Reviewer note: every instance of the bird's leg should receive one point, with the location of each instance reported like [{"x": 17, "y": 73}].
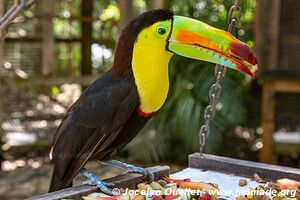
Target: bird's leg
[
  {"x": 94, "y": 180},
  {"x": 131, "y": 168}
]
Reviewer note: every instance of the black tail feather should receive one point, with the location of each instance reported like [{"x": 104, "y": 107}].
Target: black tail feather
[{"x": 57, "y": 182}]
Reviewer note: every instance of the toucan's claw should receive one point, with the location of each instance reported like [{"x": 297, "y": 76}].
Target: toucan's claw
[
  {"x": 94, "y": 180},
  {"x": 139, "y": 170},
  {"x": 133, "y": 169},
  {"x": 90, "y": 182}
]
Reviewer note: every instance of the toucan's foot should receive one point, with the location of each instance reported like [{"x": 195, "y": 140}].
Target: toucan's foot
[
  {"x": 94, "y": 180},
  {"x": 132, "y": 169},
  {"x": 143, "y": 171}
]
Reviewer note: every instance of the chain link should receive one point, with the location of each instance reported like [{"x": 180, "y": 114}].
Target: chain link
[{"x": 234, "y": 16}]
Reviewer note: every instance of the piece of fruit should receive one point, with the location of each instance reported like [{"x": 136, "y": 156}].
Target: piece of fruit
[
  {"x": 155, "y": 185},
  {"x": 169, "y": 197},
  {"x": 192, "y": 196},
  {"x": 243, "y": 182},
  {"x": 139, "y": 197},
  {"x": 205, "y": 196},
  {"x": 197, "y": 186},
  {"x": 158, "y": 197},
  {"x": 144, "y": 186},
  {"x": 177, "y": 181},
  {"x": 163, "y": 183},
  {"x": 288, "y": 184},
  {"x": 172, "y": 186},
  {"x": 192, "y": 185}
]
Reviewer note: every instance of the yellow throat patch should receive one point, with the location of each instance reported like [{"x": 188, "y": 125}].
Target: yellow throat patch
[{"x": 150, "y": 67}]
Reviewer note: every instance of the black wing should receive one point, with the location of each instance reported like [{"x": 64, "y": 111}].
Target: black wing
[{"x": 91, "y": 124}]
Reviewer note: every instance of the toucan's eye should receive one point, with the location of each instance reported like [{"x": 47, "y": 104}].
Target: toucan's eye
[{"x": 161, "y": 30}]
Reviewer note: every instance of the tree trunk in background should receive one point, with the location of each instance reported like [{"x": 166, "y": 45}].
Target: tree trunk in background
[
  {"x": 1, "y": 87},
  {"x": 70, "y": 45},
  {"x": 126, "y": 12},
  {"x": 48, "y": 59},
  {"x": 157, "y": 4},
  {"x": 1, "y": 42},
  {"x": 86, "y": 30},
  {"x": 1, "y": 115}
]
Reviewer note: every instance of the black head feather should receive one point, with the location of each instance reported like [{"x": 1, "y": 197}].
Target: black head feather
[
  {"x": 123, "y": 54},
  {"x": 146, "y": 19}
]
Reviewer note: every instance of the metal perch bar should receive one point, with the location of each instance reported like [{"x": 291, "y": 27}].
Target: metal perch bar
[{"x": 128, "y": 180}]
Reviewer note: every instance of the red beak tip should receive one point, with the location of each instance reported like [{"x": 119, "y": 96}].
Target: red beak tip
[{"x": 248, "y": 71}]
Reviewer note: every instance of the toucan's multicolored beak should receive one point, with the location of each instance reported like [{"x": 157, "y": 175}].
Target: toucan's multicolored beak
[{"x": 194, "y": 39}]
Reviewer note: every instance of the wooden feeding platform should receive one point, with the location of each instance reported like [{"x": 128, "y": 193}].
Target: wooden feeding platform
[{"x": 200, "y": 166}]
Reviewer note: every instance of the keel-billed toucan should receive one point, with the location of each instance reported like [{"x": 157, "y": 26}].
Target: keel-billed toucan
[{"x": 114, "y": 108}]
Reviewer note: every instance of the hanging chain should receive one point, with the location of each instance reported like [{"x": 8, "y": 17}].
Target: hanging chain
[{"x": 220, "y": 72}]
